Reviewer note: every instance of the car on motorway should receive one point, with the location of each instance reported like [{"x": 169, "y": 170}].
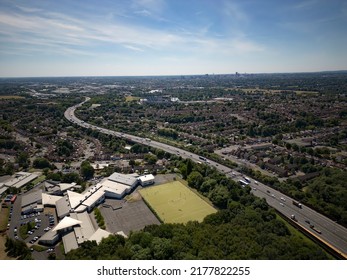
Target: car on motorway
[
  {"x": 283, "y": 199},
  {"x": 282, "y": 204}
]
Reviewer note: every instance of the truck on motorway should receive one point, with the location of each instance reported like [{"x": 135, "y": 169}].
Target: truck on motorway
[
  {"x": 315, "y": 229},
  {"x": 243, "y": 182},
  {"x": 293, "y": 218},
  {"x": 298, "y": 204},
  {"x": 247, "y": 179},
  {"x": 202, "y": 158}
]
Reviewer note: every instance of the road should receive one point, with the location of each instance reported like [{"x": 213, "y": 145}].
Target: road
[{"x": 331, "y": 232}]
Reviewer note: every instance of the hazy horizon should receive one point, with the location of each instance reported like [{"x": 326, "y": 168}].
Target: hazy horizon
[
  {"x": 174, "y": 75},
  {"x": 167, "y": 38}
]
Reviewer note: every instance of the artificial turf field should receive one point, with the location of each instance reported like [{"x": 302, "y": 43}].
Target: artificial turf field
[{"x": 175, "y": 203}]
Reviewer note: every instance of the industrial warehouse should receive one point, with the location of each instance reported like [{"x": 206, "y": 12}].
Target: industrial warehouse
[{"x": 72, "y": 208}]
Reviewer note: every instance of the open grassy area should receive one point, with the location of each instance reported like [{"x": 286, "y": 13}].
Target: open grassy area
[
  {"x": 4, "y": 214},
  {"x": 130, "y": 98},
  {"x": 175, "y": 203},
  {"x": 39, "y": 179},
  {"x": 3, "y": 255}
]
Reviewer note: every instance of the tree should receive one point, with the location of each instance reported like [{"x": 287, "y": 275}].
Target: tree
[
  {"x": 70, "y": 178},
  {"x": 195, "y": 179},
  {"x": 208, "y": 185},
  {"x": 41, "y": 163},
  {"x": 17, "y": 249},
  {"x": 189, "y": 166},
  {"x": 87, "y": 170},
  {"x": 219, "y": 196},
  {"x": 23, "y": 159},
  {"x": 9, "y": 168},
  {"x": 54, "y": 176},
  {"x": 151, "y": 158},
  {"x": 161, "y": 248},
  {"x": 183, "y": 170}
]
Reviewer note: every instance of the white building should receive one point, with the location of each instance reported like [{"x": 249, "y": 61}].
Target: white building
[
  {"x": 20, "y": 179},
  {"x": 146, "y": 180},
  {"x": 32, "y": 202},
  {"x": 75, "y": 226}
]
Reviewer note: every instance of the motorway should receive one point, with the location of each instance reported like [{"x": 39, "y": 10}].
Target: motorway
[{"x": 331, "y": 233}]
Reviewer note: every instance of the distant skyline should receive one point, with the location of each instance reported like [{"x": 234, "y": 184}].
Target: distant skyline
[{"x": 170, "y": 37}]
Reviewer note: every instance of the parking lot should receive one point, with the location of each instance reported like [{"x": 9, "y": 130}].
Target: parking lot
[
  {"x": 40, "y": 223},
  {"x": 121, "y": 215}
]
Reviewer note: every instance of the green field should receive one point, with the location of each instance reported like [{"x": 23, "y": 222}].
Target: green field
[
  {"x": 175, "y": 203},
  {"x": 130, "y": 98}
]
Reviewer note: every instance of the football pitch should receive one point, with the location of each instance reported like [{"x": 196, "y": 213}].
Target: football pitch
[{"x": 175, "y": 203}]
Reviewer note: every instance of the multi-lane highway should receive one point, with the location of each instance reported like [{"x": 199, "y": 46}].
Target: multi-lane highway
[{"x": 330, "y": 232}]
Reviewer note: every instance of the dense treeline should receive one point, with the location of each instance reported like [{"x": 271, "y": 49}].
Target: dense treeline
[
  {"x": 328, "y": 194},
  {"x": 244, "y": 228},
  {"x": 17, "y": 249},
  {"x": 236, "y": 233}
]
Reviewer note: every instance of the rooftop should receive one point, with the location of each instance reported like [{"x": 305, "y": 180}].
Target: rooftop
[
  {"x": 66, "y": 222},
  {"x": 31, "y": 198},
  {"x": 126, "y": 179}
]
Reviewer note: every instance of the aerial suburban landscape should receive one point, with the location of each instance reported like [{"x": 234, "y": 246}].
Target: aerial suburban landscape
[
  {"x": 237, "y": 166},
  {"x": 147, "y": 130}
]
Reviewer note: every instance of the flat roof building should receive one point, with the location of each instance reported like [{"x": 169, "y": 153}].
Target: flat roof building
[
  {"x": 114, "y": 189},
  {"x": 146, "y": 180},
  {"x": 20, "y": 179},
  {"x": 31, "y": 201},
  {"x": 63, "y": 207},
  {"x": 50, "y": 200},
  {"x": 125, "y": 179},
  {"x": 75, "y": 226},
  {"x": 99, "y": 235}
]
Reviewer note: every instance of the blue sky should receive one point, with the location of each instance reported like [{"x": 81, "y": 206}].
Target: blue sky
[{"x": 170, "y": 37}]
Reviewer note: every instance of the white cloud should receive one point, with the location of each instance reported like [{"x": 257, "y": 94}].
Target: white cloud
[
  {"x": 133, "y": 48},
  {"x": 246, "y": 46},
  {"x": 143, "y": 13},
  {"x": 28, "y": 9},
  {"x": 62, "y": 34},
  {"x": 153, "y": 6},
  {"x": 305, "y": 5},
  {"x": 232, "y": 10}
]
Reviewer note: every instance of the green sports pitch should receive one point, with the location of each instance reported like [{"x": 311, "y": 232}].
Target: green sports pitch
[{"x": 175, "y": 203}]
